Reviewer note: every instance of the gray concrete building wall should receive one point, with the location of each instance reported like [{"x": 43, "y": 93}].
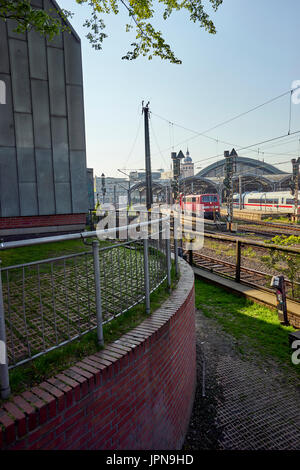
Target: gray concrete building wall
[{"x": 42, "y": 131}]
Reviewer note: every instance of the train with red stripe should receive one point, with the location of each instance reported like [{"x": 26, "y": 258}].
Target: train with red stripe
[
  {"x": 277, "y": 201},
  {"x": 209, "y": 204}
]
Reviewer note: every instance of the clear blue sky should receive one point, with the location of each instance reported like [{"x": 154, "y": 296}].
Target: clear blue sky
[{"x": 253, "y": 57}]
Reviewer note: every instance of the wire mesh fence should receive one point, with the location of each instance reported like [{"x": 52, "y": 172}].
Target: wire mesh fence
[{"x": 50, "y": 302}]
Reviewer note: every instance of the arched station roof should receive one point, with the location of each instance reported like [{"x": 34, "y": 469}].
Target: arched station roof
[
  {"x": 252, "y": 182},
  {"x": 194, "y": 184},
  {"x": 217, "y": 168},
  {"x": 141, "y": 187}
]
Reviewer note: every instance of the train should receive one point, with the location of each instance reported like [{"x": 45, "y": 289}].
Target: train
[
  {"x": 278, "y": 201},
  {"x": 196, "y": 203}
]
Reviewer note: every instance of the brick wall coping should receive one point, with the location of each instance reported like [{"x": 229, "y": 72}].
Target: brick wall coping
[{"x": 43, "y": 404}]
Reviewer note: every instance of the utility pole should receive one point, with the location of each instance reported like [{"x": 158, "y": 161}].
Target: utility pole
[
  {"x": 149, "y": 198},
  {"x": 295, "y": 185}
]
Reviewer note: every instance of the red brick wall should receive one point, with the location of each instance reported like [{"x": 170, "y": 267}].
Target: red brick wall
[
  {"x": 135, "y": 394},
  {"x": 41, "y": 221}
]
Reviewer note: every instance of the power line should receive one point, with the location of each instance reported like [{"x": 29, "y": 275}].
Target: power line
[
  {"x": 134, "y": 142},
  {"x": 252, "y": 145},
  {"x": 157, "y": 143},
  {"x": 203, "y": 134}
]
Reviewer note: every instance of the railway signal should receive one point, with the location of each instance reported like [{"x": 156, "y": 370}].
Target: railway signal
[
  {"x": 230, "y": 168},
  {"x": 176, "y": 172},
  {"x": 103, "y": 186},
  {"x": 294, "y": 185}
]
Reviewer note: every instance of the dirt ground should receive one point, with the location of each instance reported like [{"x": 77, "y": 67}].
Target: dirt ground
[{"x": 242, "y": 402}]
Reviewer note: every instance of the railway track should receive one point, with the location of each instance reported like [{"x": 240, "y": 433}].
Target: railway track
[
  {"x": 248, "y": 276},
  {"x": 270, "y": 228}
]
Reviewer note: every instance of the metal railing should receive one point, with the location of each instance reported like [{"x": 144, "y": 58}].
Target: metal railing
[
  {"x": 48, "y": 303},
  {"x": 252, "y": 262}
]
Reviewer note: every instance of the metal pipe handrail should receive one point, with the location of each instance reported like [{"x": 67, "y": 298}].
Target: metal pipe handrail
[
  {"x": 253, "y": 243},
  {"x": 77, "y": 236},
  {"x": 248, "y": 242}
]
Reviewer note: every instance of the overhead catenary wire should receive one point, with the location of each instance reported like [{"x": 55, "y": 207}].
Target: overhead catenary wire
[
  {"x": 203, "y": 134},
  {"x": 134, "y": 142},
  {"x": 249, "y": 146},
  {"x": 217, "y": 140},
  {"x": 156, "y": 141}
]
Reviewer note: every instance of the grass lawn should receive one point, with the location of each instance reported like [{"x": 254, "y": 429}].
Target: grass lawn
[
  {"x": 29, "y": 254},
  {"x": 250, "y": 323}
]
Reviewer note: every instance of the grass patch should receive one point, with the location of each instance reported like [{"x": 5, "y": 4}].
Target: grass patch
[
  {"x": 247, "y": 321},
  {"x": 29, "y": 254},
  {"x": 33, "y": 373}
]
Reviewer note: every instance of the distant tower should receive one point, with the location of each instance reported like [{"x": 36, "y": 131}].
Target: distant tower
[{"x": 187, "y": 167}]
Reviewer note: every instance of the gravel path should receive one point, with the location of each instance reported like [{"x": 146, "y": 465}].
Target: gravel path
[{"x": 248, "y": 404}]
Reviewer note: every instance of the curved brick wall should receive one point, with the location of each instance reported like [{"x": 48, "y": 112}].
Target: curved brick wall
[{"x": 137, "y": 393}]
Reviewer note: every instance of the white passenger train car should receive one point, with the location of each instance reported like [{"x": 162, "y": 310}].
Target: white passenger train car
[{"x": 278, "y": 201}]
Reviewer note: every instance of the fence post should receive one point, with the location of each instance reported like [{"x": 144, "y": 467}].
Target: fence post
[
  {"x": 4, "y": 376},
  {"x": 176, "y": 256},
  {"x": 146, "y": 275},
  {"x": 168, "y": 254},
  {"x": 160, "y": 229},
  {"x": 98, "y": 292},
  {"x": 238, "y": 261},
  {"x": 191, "y": 257}
]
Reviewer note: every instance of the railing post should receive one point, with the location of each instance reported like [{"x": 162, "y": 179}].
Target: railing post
[
  {"x": 191, "y": 257},
  {"x": 117, "y": 224},
  {"x": 98, "y": 292},
  {"x": 168, "y": 254},
  {"x": 4, "y": 376},
  {"x": 160, "y": 229},
  {"x": 238, "y": 261},
  {"x": 146, "y": 275},
  {"x": 176, "y": 256}
]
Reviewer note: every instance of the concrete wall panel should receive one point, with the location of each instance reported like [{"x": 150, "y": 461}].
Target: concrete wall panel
[
  {"x": 76, "y": 117},
  {"x": 78, "y": 181},
  {"x": 45, "y": 185},
  {"x": 25, "y": 148},
  {"x": 26, "y": 165},
  {"x": 57, "y": 41},
  {"x": 24, "y": 131},
  {"x": 7, "y": 134},
  {"x": 60, "y": 150},
  {"x": 42, "y": 135},
  {"x": 4, "y": 62},
  {"x": 28, "y": 199},
  {"x": 63, "y": 198},
  {"x": 11, "y": 26},
  {"x": 37, "y": 3},
  {"x": 41, "y": 114},
  {"x": 37, "y": 55},
  {"x": 56, "y": 72},
  {"x": 20, "y": 76},
  {"x": 72, "y": 59},
  {"x": 9, "y": 195}
]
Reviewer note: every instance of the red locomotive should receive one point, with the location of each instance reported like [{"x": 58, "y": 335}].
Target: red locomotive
[{"x": 209, "y": 204}]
